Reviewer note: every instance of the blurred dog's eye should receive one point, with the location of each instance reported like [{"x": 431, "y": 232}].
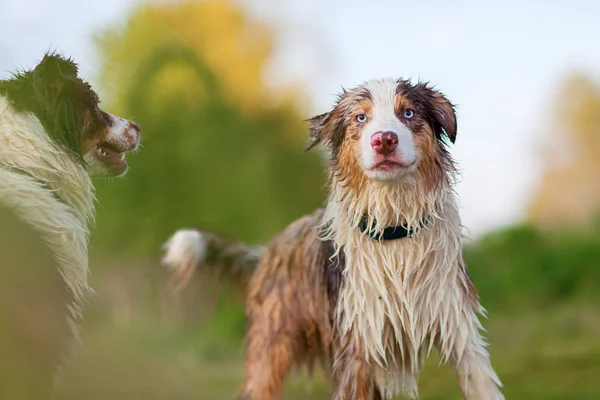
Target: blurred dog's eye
[
  {"x": 408, "y": 113},
  {"x": 361, "y": 118}
]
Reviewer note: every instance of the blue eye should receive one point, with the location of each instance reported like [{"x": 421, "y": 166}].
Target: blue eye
[
  {"x": 361, "y": 118},
  {"x": 408, "y": 113}
]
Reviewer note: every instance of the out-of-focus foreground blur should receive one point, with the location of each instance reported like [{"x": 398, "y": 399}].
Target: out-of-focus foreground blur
[{"x": 222, "y": 150}]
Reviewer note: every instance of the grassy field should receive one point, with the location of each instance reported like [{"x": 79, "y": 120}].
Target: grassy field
[
  {"x": 549, "y": 355},
  {"x": 541, "y": 290}
]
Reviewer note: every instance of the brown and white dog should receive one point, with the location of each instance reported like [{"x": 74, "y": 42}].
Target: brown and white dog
[
  {"x": 53, "y": 137},
  {"x": 374, "y": 280}
]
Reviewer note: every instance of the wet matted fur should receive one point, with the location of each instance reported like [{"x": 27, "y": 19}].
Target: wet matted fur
[
  {"x": 325, "y": 291},
  {"x": 53, "y": 137}
]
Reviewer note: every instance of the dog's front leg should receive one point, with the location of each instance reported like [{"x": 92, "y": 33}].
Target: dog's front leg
[
  {"x": 352, "y": 373},
  {"x": 466, "y": 349}
]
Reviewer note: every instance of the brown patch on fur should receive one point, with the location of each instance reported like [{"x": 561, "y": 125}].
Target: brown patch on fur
[
  {"x": 333, "y": 267},
  {"x": 96, "y": 138},
  {"x": 287, "y": 310},
  {"x": 353, "y": 375},
  {"x": 435, "y": 108},
  {"x": 434, "y": 117},
  {"x": 331, "y": 128},
  {"x": 345, "y": 169},
  {"x": 363, "y": 105},
  {"x": 433, "y": 164},
  {"x": 341, "y": 133},
  {"x": 468, "y": 287}
]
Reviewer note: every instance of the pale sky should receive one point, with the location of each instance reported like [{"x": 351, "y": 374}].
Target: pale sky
[{"x": 501, "y": 64}]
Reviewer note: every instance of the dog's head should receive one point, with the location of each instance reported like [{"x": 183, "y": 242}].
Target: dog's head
[
  {"x": 67, "y": 107},
  {"x": 387, "y": 130}
]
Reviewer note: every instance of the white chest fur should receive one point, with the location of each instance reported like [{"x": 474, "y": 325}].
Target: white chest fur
[
  {"x": 53, "y": 193},
  {"x": 400, "y": 297}
]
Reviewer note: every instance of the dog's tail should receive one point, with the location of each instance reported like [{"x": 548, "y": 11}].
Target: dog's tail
[{"x": 191, "y": 251}]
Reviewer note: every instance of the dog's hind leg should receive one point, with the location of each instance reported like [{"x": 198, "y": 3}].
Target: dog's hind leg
[{"x": 268, "y": 362}]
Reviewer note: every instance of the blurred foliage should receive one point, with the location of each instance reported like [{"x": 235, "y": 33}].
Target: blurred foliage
[
  {"x": 569, "y": 190},
  {"x": 524, "y": 268},
  {"x": 220, "y": 151}
]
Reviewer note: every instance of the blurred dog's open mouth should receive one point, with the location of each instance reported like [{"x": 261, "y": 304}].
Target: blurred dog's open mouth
[{"x": 111, "y": 156}]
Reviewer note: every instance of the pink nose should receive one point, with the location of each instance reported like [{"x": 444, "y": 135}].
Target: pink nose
[{"x": 384, "y": 143}]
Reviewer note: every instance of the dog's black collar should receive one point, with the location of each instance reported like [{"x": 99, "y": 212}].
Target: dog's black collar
[{"x": 391, "y": 232}]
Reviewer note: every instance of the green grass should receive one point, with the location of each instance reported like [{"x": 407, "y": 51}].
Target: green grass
[{"x": 550, "y": 355}]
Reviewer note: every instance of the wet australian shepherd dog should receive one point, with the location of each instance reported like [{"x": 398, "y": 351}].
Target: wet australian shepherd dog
[
  {"x": 374, "y": 280},
  {"x": 53, "y": 137}
]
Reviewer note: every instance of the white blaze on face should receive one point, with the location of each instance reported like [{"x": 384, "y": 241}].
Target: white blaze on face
[
  {"x": 122, "y": 133},
  {"x": 383, "y": 118},
  {"x": 107, "y": 156}
]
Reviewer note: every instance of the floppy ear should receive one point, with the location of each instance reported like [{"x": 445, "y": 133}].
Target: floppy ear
[
  {"x": 316, "y": 125},
  {"x": 444, "y": 115},
  {"x": 55, "y": 68}
]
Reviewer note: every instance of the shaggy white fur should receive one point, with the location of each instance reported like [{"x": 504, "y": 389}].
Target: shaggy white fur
[
  {"x": 54, "y": 196},
  {"x": 399, "y": 298}
]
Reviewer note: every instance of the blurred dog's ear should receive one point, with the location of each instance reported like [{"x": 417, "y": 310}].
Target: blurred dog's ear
[
  {"x": 316, "y": 125},
  {"x": 54, "y": 68}
]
